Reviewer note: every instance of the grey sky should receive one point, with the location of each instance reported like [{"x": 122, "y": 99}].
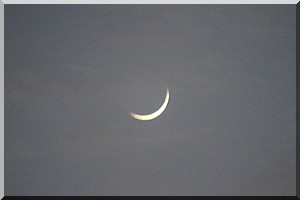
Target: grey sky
[{"x": 73, "y": 72}]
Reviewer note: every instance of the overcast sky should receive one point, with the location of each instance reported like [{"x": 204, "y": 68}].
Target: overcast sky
[{"x": 74, "y": 72}]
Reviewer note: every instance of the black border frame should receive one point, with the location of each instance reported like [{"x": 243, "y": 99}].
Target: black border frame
[{"x": 297, "y": 196}]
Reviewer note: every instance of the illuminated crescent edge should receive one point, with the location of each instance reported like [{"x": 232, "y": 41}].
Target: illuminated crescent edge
[{"x": 156, "y": 113}]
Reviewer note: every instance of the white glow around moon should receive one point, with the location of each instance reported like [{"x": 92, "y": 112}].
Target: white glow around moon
[{"x": 156, "y": 113}]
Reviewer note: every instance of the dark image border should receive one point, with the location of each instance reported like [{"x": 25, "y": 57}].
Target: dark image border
[{"x": 219, "y": 197}]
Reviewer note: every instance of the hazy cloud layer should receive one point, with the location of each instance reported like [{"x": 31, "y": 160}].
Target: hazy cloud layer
[{"x": 73, "y": 72}]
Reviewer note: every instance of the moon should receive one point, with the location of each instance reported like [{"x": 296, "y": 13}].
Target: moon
[{"x": 156, "y": 113}]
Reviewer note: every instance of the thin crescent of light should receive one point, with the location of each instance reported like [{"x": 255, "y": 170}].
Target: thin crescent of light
[{"x": 156, "y": 113}]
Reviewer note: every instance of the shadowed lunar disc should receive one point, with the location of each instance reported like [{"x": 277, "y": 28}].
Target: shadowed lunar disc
[{"x": 156, "y": 113}]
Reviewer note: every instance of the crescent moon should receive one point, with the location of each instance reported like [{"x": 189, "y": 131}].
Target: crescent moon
[{"x": 156, "y": 113}]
